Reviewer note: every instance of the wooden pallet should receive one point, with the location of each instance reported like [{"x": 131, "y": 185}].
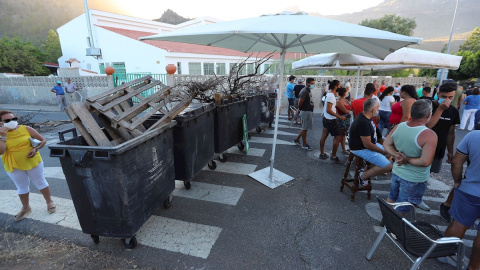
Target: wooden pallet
[
  {"x": 117, "y": 106},
  {"x": 89, "y": 128}
]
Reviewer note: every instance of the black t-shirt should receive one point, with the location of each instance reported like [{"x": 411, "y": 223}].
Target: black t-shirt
[
  {"x": 297, "y": 90},
  {"x": 362, "y": 126},
  {"x": 450, "y": 117},
  {"x": 429, "y": 98},
  {"x": 468, "y": 92},
  {"x": 307, "y": 105}
]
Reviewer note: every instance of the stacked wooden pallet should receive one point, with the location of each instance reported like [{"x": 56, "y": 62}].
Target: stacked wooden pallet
[{"x": 121, "y": 118}]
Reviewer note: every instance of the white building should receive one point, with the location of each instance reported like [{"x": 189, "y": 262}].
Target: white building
[{"x": 117, "y": 37}]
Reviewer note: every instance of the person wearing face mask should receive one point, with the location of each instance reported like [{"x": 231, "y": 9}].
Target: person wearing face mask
[
  {"x": 365, "y": 142},
  {"x": 22, "y": 161},
  {"x": 413, "y": 146}
]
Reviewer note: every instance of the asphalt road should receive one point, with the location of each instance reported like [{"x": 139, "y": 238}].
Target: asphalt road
[{"x": 230, "y": 221}]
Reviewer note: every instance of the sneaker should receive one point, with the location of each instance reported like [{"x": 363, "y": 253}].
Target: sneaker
[
  {"x": 307, "y": 147},
  {"x": 296, "y": 142},
  {"x": 361, "y": 181},
  {"x": 323, "y": 156},
  {"x": 423, "y": 206},
  {"x": 444, "y": 212},
  {"x": 336, "y": 159}
]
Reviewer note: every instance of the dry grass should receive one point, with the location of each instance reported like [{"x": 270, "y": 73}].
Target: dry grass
[{"x": 19, "y": 251}]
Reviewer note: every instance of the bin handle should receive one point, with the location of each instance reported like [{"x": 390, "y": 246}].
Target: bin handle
[
  {"x": 57, "y": 153},
  {"x": 62, "y": 133}
]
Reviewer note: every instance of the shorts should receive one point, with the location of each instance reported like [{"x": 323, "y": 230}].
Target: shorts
[
  {"x": 332, "y": 126},
  {"x": 436, "y": 165},
  {"x": 344, "y": 124},
  {"x": 465, "y": 208},
  {"x": 406, "y": 191},
  {"x": 307, "y": 120},
  {"x": 373, "y": 157},
  {"x": 291, "y": 102},
  {"x": 295, "y": 102}
]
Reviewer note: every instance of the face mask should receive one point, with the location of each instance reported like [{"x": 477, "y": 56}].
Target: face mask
[
  {"x": 440, "y": 100},
  {"x": 375, "y": 114},
  {"x": 337, "y": 98},
  {"x": 312, "y": 86},
  {"x": 11, "y": 124}
]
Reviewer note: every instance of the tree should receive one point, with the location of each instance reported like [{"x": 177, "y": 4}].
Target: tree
[
  {"x": 473, "y": 41},
  {"x": 469, "y": 67},
  {"x": 392, "y": 23},
  {"x": 21, "y": 57},
  {"x": 52, "y": 47}
]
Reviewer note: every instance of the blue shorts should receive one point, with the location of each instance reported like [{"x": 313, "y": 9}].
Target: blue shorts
[
  {"x": 406, "y": 191},
  {"x": 465, "y": 208},
  {"x": 373, "y": 157}
]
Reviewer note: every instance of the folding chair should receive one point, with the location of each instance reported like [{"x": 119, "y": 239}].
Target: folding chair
[
  {"x": 295, "y": 116},
  {"x": 417, "y": 238}
]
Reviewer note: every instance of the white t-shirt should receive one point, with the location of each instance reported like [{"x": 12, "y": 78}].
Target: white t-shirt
[
  {"x": 385, "y": 104},
  {"x": 330, "y": 98}
]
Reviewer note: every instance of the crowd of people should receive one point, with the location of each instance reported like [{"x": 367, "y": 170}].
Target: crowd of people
[{"x": 406, "y": 132}]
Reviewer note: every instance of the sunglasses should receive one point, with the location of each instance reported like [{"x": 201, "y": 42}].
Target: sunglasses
[{"x": 8, "y": 120}]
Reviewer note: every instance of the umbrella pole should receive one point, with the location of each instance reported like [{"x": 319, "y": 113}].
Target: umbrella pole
[
  {"x": 358, "y": 82},
  {"x": 277, "y": 114},
  {"x": 265, "y": 175}
]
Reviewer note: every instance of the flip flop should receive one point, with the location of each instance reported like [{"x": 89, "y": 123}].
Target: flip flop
[
  {"x": 18, "y": 218},
  {"x": 52, "y": 209}
]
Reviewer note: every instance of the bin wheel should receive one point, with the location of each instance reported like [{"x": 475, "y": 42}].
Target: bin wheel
[
  {"x": 95, "y": 238},
  {"x": 212, "y": 165},
  {"x": 241, "y": 146},
  {"x": 187, "y": 184},
  {"x": 132, "y": 243},
  {"x": 258, "y": 129},
  {"x": 168, "y": 202},
  {"x": 222, "y": 158}
]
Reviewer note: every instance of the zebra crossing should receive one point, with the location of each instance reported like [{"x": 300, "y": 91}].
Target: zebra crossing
[{"x": 180, "y": 236}]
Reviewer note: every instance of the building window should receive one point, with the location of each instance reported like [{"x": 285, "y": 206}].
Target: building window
[
  {"x": 119, "y": 67},
  {"x": 250, "y": 68},
  {"x": 102, "y": 68},
  {"x": 179, "y": 68},
  {"x": 221, "y": 69},
  {"x": 208, "y": 69},
  {"x": 195, "y": 68},
  {"x": 272, "y": 68}
]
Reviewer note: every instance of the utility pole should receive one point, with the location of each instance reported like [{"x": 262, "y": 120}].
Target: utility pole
[{"x": 449, "y": 43}]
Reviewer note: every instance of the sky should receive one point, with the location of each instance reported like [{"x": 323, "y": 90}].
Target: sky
[{"x": 232, "y": 10}]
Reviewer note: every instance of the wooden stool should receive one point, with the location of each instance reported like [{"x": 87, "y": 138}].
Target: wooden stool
[{"x": 353, "y": 183}]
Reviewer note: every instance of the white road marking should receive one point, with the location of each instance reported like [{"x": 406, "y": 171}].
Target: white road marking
[
  {"x": 233, "y": 167},
  {"x": 279, "y": 132},
  {"x": 178, "y": 236},
  {"x": 287, "y": 126},
  {"x": 268, "y": 141},
  {"x": 251, "y": 151},
  {"x": 433, "y": 184},
  {"x": 159, "y": 232},
  {"x": 209, "y": 192}
]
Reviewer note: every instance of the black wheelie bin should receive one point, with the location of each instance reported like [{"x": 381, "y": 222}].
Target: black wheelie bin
[
  {"x": 193, "y": 139},
  {"x": 229, "y": 126},
  {"x": 116, "y": 189}
]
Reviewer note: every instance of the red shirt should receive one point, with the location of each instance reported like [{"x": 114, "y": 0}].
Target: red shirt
[
  {"x": 397, "y": 113},
  {"x": 382, "y": 88},
  {"x": 357, "y": 106}
]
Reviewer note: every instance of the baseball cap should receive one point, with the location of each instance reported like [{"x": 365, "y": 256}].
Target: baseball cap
[
  {"x": 300, "y": 80},
  {"x": 59, "y": 81}
]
